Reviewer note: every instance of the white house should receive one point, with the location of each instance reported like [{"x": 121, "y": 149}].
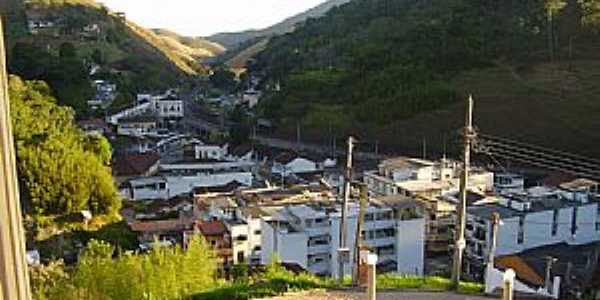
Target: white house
[
  {"x": 166, "y": 187},
  {"x": 309, "y": 236},
  {"x": 289, "y": 163}
]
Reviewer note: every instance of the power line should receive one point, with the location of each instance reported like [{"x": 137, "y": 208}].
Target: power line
[
  {"x": 559, "y": 152},
  {"x": 534, "y": 153}
]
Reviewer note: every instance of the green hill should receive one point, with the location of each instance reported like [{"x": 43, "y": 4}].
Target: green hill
[
  {"x": 244, "y": 45},
  {"x": 397, "y": 71},
  {"x": 134, "y": 57},
  {"x": 194, "y": 47}
]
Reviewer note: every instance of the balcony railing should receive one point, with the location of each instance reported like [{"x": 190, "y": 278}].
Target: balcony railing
[{"x": 323, "y": 248}]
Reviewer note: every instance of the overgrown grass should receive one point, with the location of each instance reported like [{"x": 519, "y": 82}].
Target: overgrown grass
[
  {"x": 277, "y": 281},
  {"x": 427, "y": 283}
]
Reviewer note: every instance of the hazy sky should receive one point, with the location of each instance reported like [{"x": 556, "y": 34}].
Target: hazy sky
[{"x": 205, "y": 17}]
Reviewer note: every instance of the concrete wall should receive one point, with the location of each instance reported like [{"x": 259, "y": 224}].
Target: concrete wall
[{"x": 410, "y": 246}]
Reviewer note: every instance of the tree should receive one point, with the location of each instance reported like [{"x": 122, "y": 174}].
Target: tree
[
  {"x": 61, "y": 171},
  {"x": 223, "y": 79},
  {"x": 67, "y": 51}
]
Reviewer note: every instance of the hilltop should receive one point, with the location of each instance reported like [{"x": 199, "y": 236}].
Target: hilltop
[
  {"x": 398, "y": 72},
  {"x": 195, "y": 48},
  {"x": 243, "y": 45},
  {"x": 135, "y": 58}
]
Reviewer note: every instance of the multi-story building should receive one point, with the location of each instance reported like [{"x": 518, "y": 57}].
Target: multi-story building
[
  {"x": 429, "y": 182},
  {"x": 308, "y": 235},
  {"x": 540, "y": 216},
  {"x": 166, "y": 187}
]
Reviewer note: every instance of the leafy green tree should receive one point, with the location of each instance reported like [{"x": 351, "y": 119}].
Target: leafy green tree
[{"x": 61, "y": 171}]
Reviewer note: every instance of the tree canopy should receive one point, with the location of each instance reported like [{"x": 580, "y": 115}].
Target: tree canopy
[{"x": 61, "y": 170}]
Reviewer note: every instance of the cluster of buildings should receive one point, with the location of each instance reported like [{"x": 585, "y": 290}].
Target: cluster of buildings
[{"x": 152, "y": 115}]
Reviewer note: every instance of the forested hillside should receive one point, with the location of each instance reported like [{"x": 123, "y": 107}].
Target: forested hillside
[
  {"x": 133, "y": 57},
  {"x": 396, "y": 70}
]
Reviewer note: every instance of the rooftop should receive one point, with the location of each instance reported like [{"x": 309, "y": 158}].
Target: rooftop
[
  {"x": 405, "y": 162},
  {"x": 134, "y": 164},
  {"x": 212, "y": 228}
]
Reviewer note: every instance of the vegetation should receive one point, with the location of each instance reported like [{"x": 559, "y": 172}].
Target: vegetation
[
  {"x": 433, "y": 284},
  {"x": 61, "y": 170},
  {"x": 135, "y": 58},
  {"x": 379, "y": 62},
  {"x": 275, "y": 281},
  {"x": 164, "y": 273}
]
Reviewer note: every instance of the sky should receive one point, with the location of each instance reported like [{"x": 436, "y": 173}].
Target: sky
[{"x": 206, "y": 17}]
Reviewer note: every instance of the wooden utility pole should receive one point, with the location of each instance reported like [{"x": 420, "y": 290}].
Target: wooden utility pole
[
  {"x": 460, "y": 244},
  {"x": 343, "y": 250},
  {"x": 364, "y": 201},
  {"x": 14, "y": 279}
]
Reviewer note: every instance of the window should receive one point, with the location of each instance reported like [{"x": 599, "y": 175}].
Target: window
[
  {"x": 598, "y": 217},
  {"x": 257, "y": 232},
  {"x": 555, "y": 222},
  {"x": 257, "y": 248},
  {"x": 241, "y": 256},
  {"x": 521, "y": 234},
  {"x": 574, "y": 221}
]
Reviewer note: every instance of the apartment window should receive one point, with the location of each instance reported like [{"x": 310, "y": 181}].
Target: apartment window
[
  {"x": 555, "y": 222},
  {"x": 521, "y": 234},
  {"x": 574, "y": 221},
  {"x": 257, "y": 232},
  {"x": 598, "y": 217},
  {"x": 368, "y": 217}
]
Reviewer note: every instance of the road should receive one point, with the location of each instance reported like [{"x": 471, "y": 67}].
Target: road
[
  {"x": 289, "y": 145},
  {"x": 339, "y": 295}
]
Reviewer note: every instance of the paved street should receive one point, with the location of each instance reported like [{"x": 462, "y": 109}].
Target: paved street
[{"x": 339, "y": 295}]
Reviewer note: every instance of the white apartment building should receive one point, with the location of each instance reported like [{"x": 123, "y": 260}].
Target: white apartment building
[
  {"x": 412, "y": 176},
  {"x": 538, "y": 217},
  {"x": 309, "y": 236}
]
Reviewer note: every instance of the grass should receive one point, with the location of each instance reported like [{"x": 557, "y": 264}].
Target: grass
[
  {"x": 277, "y": 281},
  {"x": 426, "y": 283}
]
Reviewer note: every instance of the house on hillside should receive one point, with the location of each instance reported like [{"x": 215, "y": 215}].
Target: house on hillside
[
  {"x": 217, "y": 235},
  {"x": 288, "y": 163},
  {"x": 95, "y": 126},
  {"x": 106, "y": 93},
  {"x": 133, "y": 165},
  {"x": 571, "y": 276},
  {"x": 140, "y": 125}
]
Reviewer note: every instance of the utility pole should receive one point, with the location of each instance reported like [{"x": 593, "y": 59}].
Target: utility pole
[
  {"x": 298, "y": 135},
  {"x": 343, "y": 250},
  {"x": 14, "y": 280},
  {"x": 548, "y": 280},
  {"x": 459, "y": 246},
  {"x": 424, "y": 148},
  {"x": 494, "y": 240},
  {"x": 364, "y": 200}
]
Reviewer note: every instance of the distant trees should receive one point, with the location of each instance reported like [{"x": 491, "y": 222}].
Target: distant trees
[
  {"x": 164, "y": 273},
  {"x": 223, "y": 79},
  {"x": 61, "y": 171},
  {"x": 378, "y": 61}
]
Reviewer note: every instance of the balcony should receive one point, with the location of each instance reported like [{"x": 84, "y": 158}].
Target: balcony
[
  {"x": 380, "y": 224},
  {"x": 317, "y": 230},
  {"x": 320, "y": 248},
  {"x": 380, "y": 242}
]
